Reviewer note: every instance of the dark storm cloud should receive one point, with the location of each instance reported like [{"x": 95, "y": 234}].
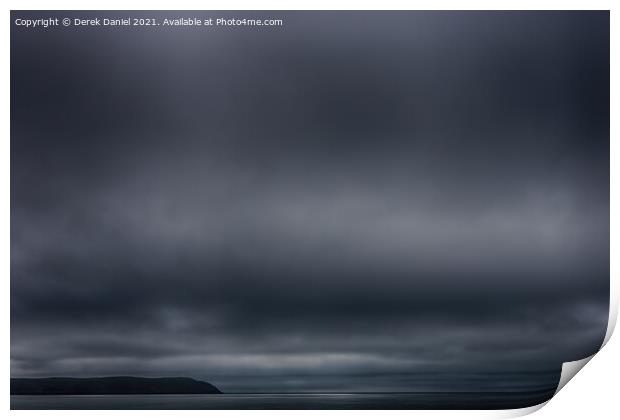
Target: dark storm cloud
[{"x": 353, "y": 194}]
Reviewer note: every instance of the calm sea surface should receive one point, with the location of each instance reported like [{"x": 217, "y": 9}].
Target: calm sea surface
[{"x": 459, "y": 400}]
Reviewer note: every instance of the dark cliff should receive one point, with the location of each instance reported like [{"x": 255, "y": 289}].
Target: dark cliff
[{"x": 109, "y": 385}]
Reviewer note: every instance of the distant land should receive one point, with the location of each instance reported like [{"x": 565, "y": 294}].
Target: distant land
[{"x": 111, "y": 385}]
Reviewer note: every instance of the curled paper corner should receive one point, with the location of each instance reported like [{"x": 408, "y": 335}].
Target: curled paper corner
[
  {"x": 520, "y": 412},
  {"x": 569, "y": 370}
]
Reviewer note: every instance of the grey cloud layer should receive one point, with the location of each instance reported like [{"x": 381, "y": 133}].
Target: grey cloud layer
[{"x": 389, "y": 195}]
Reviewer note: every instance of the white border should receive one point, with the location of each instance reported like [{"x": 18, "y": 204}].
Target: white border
[{"x": 597, "y": 395}]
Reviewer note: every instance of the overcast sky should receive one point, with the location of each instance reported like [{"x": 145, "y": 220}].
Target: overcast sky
[{"x": 351, "y": 202}]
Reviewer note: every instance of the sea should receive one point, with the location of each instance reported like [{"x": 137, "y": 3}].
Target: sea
[{"x": 358, "y": 401}]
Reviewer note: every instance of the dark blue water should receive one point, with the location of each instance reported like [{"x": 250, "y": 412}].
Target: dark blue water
[{"x": 421, "y": 400}]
